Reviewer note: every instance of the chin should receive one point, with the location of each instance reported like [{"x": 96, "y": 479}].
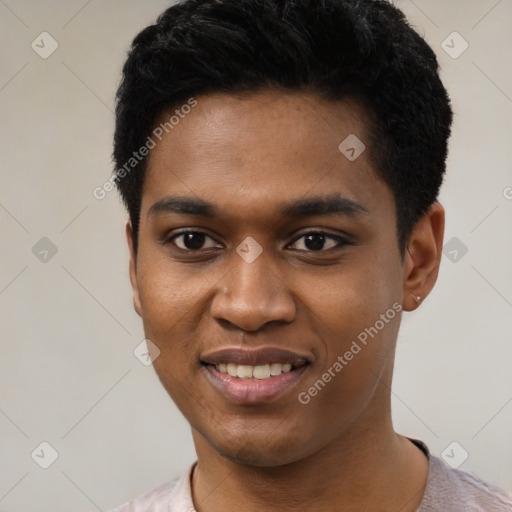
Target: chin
[
  {"x": 251, "y": 455},
  {"x": 261, "y": 449}
]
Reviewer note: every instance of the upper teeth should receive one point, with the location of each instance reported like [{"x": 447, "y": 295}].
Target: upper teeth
[{"x": 246, "y": 371}]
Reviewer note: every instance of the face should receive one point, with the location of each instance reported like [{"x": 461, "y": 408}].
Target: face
[{"x": 264, "y": 255}]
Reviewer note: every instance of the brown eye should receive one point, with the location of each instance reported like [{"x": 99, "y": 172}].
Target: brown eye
[
  {"x": 191, "y": 240},
  {"x": 317, "y": 241}
]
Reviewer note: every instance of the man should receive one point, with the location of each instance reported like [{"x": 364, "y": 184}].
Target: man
[{"x": 280, "y": 161}]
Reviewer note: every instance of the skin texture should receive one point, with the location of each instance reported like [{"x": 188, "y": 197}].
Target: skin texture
[{"x": 249, "y": 155}]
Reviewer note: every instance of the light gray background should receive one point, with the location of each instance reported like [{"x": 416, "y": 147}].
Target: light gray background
[{"x": 68, "y": 375}]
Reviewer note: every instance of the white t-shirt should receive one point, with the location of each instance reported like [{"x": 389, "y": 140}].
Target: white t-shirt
[{"x": 447, "y": 490}]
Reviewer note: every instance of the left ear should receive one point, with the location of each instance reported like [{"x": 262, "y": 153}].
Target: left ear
[{"x": 423, "y": 257}]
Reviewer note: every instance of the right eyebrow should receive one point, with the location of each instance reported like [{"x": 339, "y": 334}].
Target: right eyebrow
[{"x": 183, "y": 205}]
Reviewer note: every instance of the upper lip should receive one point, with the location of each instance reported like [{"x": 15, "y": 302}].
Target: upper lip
[{"x": 255, "y": 356}]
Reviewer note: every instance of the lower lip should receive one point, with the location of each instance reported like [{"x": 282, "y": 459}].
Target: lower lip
[{"x": 253, "y": 391}]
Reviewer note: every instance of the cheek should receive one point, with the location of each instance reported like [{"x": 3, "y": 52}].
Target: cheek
[
  {"x": 169, "y": 306},
  {"x": 161, "y": 288},
  {"x": 175, "y": 301},
  {"x": 171, "y": 295},
  {"x": 352, "y": 372},
  {"x": 353, "y": 297},
  {"x": 356, "y": 315},
  {"x": 168, "y": 317}
]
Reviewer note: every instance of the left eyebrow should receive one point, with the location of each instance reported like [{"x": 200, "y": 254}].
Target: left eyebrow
[{"x": 323, "y": 205}]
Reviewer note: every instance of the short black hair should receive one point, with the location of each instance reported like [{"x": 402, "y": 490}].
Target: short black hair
[{"x": 362, "y": 50}]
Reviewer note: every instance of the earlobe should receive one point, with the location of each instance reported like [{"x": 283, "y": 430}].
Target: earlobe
[
  {"x": 133, "y": 269},
  {"x": 423, "y": 257}
]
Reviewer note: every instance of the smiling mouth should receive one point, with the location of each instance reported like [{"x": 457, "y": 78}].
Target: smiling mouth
[
  {"x": 246, "y": 375},
  {"x": 259, "y": 372}
]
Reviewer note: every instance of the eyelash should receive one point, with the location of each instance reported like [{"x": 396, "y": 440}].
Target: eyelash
[{"x": 342, "y": 241}]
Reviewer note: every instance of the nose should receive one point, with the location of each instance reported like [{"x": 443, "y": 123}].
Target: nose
[{"x": 252, "y": 295}]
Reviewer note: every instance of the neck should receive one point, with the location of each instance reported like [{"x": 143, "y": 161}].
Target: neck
[{"x": 367, "y": 468}]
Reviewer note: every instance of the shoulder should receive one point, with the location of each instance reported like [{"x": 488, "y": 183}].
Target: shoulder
[
  {"x": 167, "y": 497},
  {"x": 154, "y": 500},
  {"x": 452, "y": 490}
]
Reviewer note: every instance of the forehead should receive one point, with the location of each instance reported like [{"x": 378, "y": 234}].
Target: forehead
[{"x": 263, "y": 148}]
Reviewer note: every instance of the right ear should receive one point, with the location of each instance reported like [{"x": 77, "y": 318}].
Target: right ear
[{"x": 133, "y": 268}]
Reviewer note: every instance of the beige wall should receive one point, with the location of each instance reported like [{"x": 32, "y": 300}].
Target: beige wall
[{"x": 67, "y": 372}]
